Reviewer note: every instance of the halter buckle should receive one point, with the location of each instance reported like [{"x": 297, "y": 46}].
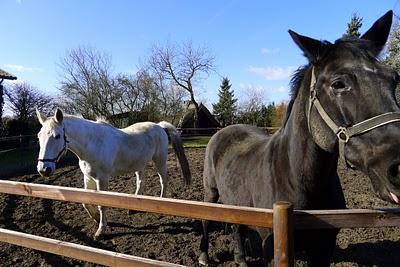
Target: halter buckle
[
  {"x": 343, "y": 135},
  {"x": 313, "y": 94}
]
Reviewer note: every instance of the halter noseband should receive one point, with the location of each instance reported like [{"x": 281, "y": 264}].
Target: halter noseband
[
  {"x": 345, "y": 133},
  {"x": 60, "y": 154}
]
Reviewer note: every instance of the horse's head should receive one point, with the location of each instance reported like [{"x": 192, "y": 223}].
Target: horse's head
[
  {"x": 52, "y": 141},
  {"x": 351, "y": 108}
]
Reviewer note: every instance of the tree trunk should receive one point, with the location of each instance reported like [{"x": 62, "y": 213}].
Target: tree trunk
[{"x": 196, "y": 111}]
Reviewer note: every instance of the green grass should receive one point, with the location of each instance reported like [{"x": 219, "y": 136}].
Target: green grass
[
  {"x": 196, "y": 141},
  {"x": 18, "y": 159},
  {"x": 18, "y": 156}
]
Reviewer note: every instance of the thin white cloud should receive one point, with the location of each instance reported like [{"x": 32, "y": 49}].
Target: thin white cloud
[
  {"x": 282, "y": 89},
  {"x": 262, "y": 90},
  {"x": 21, "y": 68},
  {"x": 248, "y": 91},
  {"x": 273, "y": 73},
  {"x": 268, "y": 51}
]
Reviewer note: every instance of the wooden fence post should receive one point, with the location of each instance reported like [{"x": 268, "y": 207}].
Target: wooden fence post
[{"x": 283, "y": 234}]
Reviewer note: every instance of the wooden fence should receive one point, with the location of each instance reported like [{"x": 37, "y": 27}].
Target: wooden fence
[{"x": 281, "y": 218}]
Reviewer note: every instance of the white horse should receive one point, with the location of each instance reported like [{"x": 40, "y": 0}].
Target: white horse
[{"x": 105, "y": 151}]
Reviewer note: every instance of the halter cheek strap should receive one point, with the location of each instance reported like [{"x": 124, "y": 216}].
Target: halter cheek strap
[
  {"x": 60, "y": 154},
  {"x": 345, "y": 133}
]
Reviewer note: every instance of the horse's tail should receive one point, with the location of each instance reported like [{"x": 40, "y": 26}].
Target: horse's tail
[{"x": 178, "y": 148}]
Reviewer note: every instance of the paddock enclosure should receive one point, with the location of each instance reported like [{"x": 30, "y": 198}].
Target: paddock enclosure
[{"x": 168, "y": 238}]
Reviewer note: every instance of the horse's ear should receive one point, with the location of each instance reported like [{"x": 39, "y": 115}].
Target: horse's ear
[
  {"x": 313, "y": 49},
  {"x": 42, "y": 118},
  {"x": 379, "y": 32},
  {"x": 58, "y": 116}
]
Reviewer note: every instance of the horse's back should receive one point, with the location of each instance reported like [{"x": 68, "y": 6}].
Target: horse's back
[
  {"x": 138, "y": 144},
  {"x": 228, "y": 156},
  {"x": 140, "y": 127}
]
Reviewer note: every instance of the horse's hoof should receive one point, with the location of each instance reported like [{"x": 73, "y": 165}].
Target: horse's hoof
[
  {"x": 203, "y": 259},
  {"x": 98, "y": 235}
]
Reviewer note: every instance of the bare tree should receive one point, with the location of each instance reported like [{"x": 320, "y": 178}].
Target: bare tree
[
  {"x": 183, "y": 65},
  {"x": 251, "y": 105},
  {"x": 87, "y": 85},
  {"x": 23, "y": 99}
]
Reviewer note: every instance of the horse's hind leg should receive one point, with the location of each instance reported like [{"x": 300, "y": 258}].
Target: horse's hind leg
[
  {"x": 139, "y": 187},
  {"x": 210, "y": 195},
  {"x": 161, "y": 165},
  {"x": 102, "y": 184},
  {"x": 91, "y": 209}
]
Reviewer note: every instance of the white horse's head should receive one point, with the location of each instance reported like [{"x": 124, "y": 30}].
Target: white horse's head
[{"x": 52, "y": 141}]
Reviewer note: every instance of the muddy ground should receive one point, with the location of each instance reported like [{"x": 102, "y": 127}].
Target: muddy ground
[{"x": 166, "y": 238}]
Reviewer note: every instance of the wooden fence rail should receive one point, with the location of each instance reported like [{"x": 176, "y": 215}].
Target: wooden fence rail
[
  {"x": 76, "y": 251},
  {"x": 283, "y": 219},
  {"x": 166, "y": 206}
]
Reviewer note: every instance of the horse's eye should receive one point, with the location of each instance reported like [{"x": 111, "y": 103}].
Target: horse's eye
[
  {"x": 338, "y": 84},
  {"x": 57, "y": 136}
]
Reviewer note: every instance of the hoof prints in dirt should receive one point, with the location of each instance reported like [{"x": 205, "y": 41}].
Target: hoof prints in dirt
[{"x": 167, "y": 238}]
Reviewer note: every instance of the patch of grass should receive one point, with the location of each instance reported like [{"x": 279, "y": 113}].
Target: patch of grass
[
  {"x": 20, "y": 161},
  {"x": 196, "y": 141},
  {"x": 17, "y": 159}
]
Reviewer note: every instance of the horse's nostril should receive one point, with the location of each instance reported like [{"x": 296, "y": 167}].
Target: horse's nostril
[{"x": 394, "y": 174}]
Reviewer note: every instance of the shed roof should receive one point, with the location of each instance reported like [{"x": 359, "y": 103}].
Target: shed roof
[{"x": 5, "y": 75}]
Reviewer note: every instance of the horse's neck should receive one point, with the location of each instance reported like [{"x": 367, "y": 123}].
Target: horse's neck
[
  {"x": 80, "y": 133},
  {"x": 305, "y": 157}
]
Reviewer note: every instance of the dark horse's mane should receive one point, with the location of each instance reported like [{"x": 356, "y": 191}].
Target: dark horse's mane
[
  {"x": 295, "y": 83},
  {"x": 363, "y": 46}
]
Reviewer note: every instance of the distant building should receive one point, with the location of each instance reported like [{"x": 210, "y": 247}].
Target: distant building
[{"x": 205, "y": 120}]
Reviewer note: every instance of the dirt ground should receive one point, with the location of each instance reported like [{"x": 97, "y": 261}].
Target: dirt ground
[{"x": 166, "y": 238}]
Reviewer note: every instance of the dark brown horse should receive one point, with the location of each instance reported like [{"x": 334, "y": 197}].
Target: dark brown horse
[{"x": 342, "y": 105}]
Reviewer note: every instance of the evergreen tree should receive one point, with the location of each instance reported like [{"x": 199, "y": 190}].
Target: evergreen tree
[
  {"x": 225, "y": 109},
  {"x": 268, "y": 114},
  {"x": 353, "y": 27},
  {"x": 393, "y": 54}
]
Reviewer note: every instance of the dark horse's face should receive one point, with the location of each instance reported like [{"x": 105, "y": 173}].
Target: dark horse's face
[{"x": 353, "y": 86}]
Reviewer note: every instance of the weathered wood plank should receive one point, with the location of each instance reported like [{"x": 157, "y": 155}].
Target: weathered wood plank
[
  {"x": 175, "y": 207},
  {"x": 76, "y": 251}
]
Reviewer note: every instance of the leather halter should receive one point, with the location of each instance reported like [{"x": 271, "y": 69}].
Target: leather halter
[
  {"x": 60, "y": 154},
  {"x": 345, "y": 133}
]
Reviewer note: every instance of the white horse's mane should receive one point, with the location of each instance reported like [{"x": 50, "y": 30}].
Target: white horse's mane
[{"x": 99, "y": 120}]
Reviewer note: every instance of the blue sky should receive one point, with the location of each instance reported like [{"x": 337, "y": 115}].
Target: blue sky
[{"x": 249, "y": 39}]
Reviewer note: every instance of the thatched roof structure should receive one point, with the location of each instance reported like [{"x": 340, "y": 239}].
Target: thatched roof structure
[
  {"x": 204, "y": 118},
  {"x": 6, "y": 76}
]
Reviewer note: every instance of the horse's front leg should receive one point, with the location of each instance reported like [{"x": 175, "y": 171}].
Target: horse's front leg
[
  {"x": 102, "y": 184},
  {"x": 93, "y": 211},
  {"x": 239, "y": 249}
]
